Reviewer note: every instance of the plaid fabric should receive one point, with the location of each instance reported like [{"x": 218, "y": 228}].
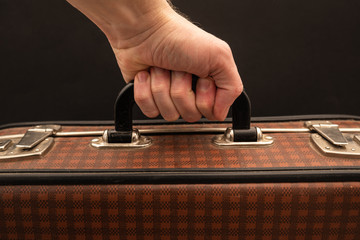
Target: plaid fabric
[{"x": 231, "y": 211}]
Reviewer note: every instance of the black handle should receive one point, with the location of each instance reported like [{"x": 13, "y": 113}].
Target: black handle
[
  {"x": 241, "y": 112},
  {"x": 241, "y": 119},
  {"x": 123, "y": 108},
  {"x": 123, "y": 116}
]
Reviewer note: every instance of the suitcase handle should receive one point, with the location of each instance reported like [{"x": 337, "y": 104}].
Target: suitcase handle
[{"x": 241, "y": 112}]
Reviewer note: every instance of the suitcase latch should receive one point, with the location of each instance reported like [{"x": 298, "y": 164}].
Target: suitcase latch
[
  {"x": 329, "y": 131},
  {"x": 33, "y": 143},
  {"x": 331, "y": 141},
  {"x": 36, "y": 135},
  {"x": 4, "y": 145}
]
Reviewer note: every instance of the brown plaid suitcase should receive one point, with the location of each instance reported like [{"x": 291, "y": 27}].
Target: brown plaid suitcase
[{"x": 286, "y": 178}]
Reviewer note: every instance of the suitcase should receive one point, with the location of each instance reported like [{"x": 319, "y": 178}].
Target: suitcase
[{"x": 287, "y": 178}]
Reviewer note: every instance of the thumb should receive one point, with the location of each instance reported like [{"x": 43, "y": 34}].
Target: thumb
[
  {"x": 129, "y": 67},
  {"x": 128, "y": 75},
  {"x": 228, "y": 87}
]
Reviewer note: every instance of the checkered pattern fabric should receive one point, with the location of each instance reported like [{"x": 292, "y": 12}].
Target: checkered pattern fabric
[{"x": 232, "y": 211}]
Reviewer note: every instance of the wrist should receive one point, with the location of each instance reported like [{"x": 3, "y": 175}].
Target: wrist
[
  {"x": 134, "y": 22},
  {"x": 124, "y": 20}
]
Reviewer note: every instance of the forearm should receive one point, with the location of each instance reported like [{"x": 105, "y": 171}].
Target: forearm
[{"x": 122, "y": 20}]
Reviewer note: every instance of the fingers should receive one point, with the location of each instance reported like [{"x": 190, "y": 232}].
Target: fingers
[
  {"x": 143, "y": 95},
  {"x": 205, "y": 97},
  {"x": 226, "y": 94},
  {"x": 227, "y": 80},
  {"x": 223, "y": 101},
  {"x": 170, "y": 94},
  {"x": 160, "y": 88},
  {"x": 183, "y": 97},
  {"x": 167, "y": 93}
]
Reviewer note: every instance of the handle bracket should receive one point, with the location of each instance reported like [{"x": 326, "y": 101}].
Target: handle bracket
[
  {"x": 227, "y": 139},
  {"x": 137, "y": 141}
]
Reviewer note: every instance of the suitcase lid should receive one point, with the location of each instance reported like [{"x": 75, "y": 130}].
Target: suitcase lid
[{"x": 186, "y": 156}]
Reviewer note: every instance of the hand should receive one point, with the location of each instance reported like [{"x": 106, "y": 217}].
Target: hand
[{"x": 160, "y": 50}]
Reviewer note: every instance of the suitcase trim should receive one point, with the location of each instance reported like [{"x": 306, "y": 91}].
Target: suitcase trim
[{"x": 179, "y": 176}]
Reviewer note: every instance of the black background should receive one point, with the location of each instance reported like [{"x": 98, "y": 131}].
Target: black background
[{"x": 295, "y": 57}]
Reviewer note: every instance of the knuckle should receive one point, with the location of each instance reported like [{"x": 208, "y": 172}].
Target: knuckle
[
  {"x": 238, "y": 90},
  {"x": 223, "y": 55},
  {"x": 205, "y": 108},
  {"x": 141, "y": 99},
  {"x": 224, "y": 48},
  {"x": 227, "y": 49},
  {"x": 160, "y": 88},
  {"x": 178, "y": 93},
  {"x": 204, "y": 103}
]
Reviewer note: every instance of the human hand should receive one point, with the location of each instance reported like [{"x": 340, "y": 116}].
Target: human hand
[{"x": 160, "y": 50}]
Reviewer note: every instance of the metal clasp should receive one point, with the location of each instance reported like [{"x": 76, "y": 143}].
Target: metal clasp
[
  {"x": 4, "y": 145},
  {"x": 33, "y": 143},
  {"x": 36, "y": 135},
  {"x": 328, "y": 130},
  {"x": 331, "y": 141}
]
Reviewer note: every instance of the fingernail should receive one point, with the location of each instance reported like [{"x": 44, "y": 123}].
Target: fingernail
[
  {"x": 204, "y": 84},
  {"x": 142, "y": 77}
]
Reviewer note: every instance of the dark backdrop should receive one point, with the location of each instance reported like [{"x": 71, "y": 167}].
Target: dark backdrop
[{"x": 295, "y": 57}]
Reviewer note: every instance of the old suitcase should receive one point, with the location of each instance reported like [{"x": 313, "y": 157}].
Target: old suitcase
[{"x": 288, "y": 178}]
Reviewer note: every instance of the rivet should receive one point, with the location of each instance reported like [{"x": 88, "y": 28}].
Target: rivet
[
  {"x": 268, "y": 138},
  {"x": 353, "y": 149},
  {"x": 36, "y": 150},
  {"x": 95, "y": 140},
  {"x": 327, "y": 147}
]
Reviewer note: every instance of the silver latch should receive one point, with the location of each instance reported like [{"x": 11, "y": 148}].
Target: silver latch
[
  {"x": 329, "y": 131},
  {"x": 36, "y": 135},
  {"x": 33, "y": 143},
  {"x": 331, "y": 141},
  {"x": 4, "y": 145},
  {"x": 357, "y": 139}
]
